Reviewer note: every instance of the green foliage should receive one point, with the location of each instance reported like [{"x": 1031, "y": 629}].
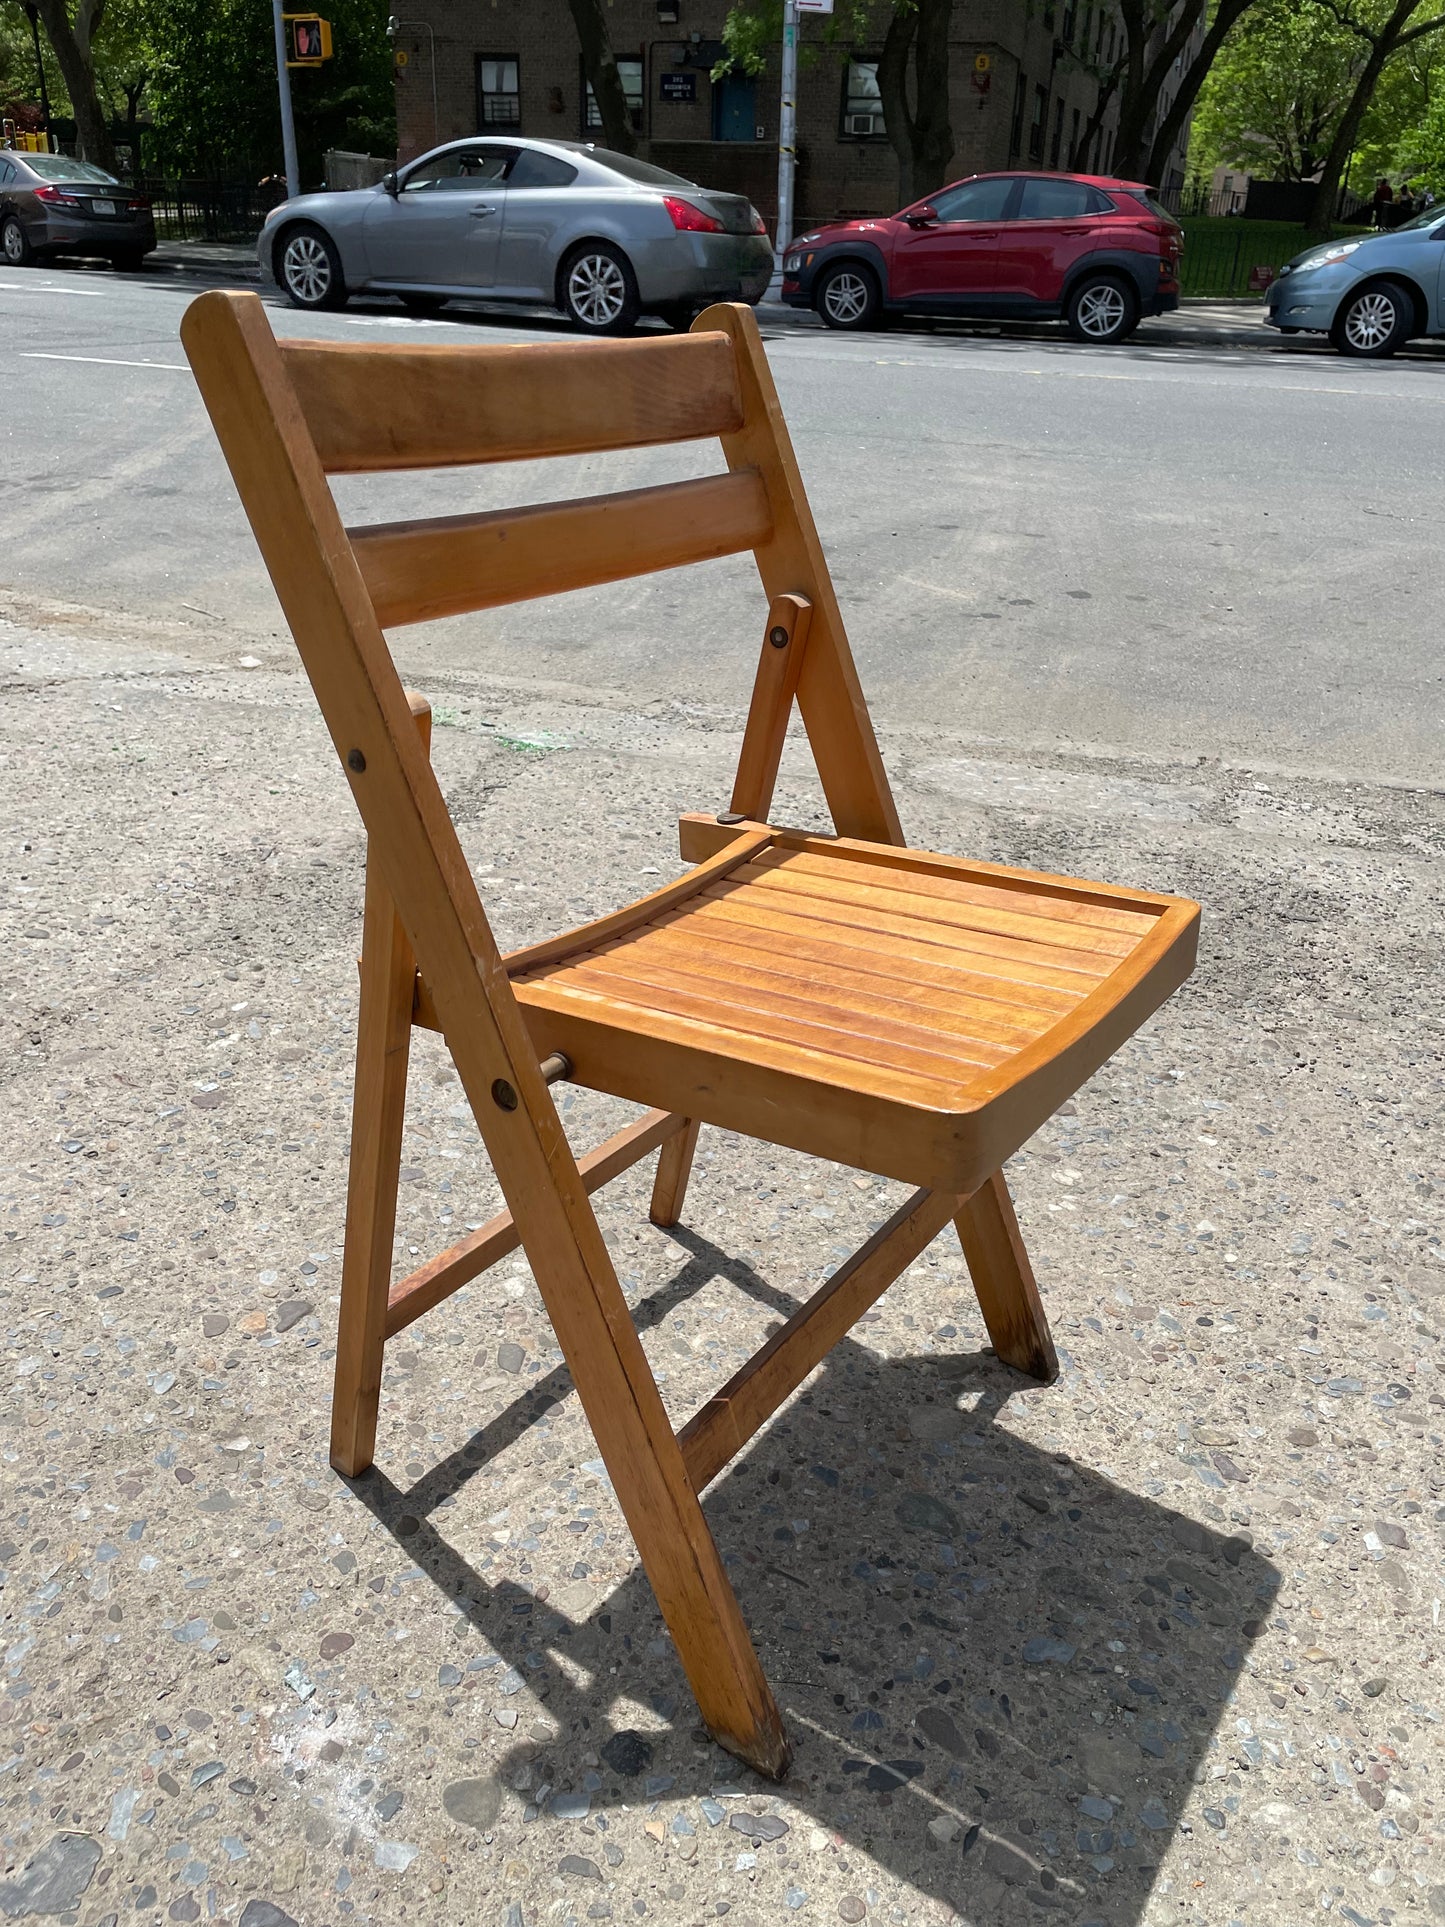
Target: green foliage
[
  {"x": 18, "y": 82},
  {"x": 753, "y": 31},
  {"x": 213, "y": 90},
  {"x": 1276, "y": 92}
]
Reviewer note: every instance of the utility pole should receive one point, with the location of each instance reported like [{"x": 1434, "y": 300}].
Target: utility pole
[
  {"x": 787, "y": 127},
  {"x": 288, "y": 124},
  {"x": 33, "y": 17}
]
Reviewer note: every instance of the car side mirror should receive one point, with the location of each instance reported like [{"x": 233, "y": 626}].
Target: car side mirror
[
  {"x": 391, "y": 184},
  {"x": 924, "y": 216}
]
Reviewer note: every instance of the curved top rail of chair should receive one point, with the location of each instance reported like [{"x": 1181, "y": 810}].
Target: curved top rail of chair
[{"x": 370, "y": 407}]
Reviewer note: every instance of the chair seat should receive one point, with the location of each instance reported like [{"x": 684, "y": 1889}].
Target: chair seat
[{"x": 911, "y": 1014}]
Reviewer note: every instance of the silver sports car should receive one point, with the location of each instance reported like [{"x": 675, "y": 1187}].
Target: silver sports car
[
  {"x": 1370, "y": 293},
  {"x": 603, "y": 236}
]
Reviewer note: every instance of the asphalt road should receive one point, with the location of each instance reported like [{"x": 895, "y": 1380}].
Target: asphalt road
[{"x": 1159, "y": 552}]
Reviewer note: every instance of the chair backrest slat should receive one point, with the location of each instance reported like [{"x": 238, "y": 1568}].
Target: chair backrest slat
[
  {"x": 418, "y": 571},
  {"x": 371, "y": 408}
]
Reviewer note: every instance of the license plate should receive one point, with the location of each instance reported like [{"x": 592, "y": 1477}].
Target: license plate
[{"x": 102, "y": 207}]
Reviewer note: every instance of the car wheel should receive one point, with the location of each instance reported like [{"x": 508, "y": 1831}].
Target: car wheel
[
  {"x": 678, "y": 315},
  {"x": 848, "y": 296},
  {"x": 14, "y": 243},
  {"x": 1102, "y": 308},
  {"x": 599, "y": 290},
  {"x": 309, "y": 269},
  {"x": 129, "y": 261},
  {"x": 1374, "y": 321},
  {"x": 423, "y": 303}
]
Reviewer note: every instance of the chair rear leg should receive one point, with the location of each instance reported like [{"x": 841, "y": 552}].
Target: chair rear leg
[
  {"x": 1003, "y": 1278},
  {"x": 674, "y": 1167},
  {"x": 383, "y": 1047}
]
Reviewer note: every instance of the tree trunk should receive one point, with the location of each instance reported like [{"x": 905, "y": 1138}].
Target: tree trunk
[
  {"x": 921, "y": 136},
  {"x": 71, "y": 42},
  {"x": 600, "y": 65},
  {"x": 932, "y": 130},
  {"x": 1382, "y": 45},
  {"x": 893, "y": 91},
  {"x": 1146, "y": 75},
  {"x": 1193, "y": 79}
]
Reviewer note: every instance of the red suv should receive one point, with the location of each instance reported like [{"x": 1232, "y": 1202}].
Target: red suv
[{"x": 1099, "y": 254}]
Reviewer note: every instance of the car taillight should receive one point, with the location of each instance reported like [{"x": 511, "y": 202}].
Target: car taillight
[
  {"x": 688, "y": 219},
  {"x": 56, "y": 197},
  {"x": 137, "y": 207},
  {"x": 760, "y": 226}
]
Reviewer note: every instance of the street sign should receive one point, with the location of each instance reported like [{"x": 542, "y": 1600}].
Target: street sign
[{"x": 814, "y": 6}]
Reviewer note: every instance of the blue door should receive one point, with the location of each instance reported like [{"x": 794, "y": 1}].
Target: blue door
[{"x": 734, "y": 109}]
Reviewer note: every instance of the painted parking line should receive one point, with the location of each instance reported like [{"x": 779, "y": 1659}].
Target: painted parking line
[{"x": 101, "y": 361}]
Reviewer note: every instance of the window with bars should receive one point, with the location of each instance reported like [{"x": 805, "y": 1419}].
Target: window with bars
[
  {"x": 1057, "y": 142},
  {"x": 499, "y": 93},
  {"x": 629, "y": 72},
  {"x": 1039, "y": 123}
]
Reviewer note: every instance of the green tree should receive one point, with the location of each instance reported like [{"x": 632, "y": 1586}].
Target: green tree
[
  {"x": 1383, "y": 30},
  {"x": 212, "y": 89},
  {"x": 71, "y": 32},
  {"x": 1276, "y": 92}
]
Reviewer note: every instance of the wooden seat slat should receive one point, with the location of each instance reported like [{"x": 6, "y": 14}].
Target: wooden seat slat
[{"x": 955, "y": 889}]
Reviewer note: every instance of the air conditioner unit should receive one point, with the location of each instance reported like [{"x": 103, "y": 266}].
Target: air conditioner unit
[{"x": 861, "y": 123}]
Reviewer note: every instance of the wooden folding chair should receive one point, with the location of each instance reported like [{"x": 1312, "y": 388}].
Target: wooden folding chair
[{"x": 912, "y": 1015}]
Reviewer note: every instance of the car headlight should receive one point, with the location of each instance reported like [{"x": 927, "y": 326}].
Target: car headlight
[{"x": 1326, "y": 257}]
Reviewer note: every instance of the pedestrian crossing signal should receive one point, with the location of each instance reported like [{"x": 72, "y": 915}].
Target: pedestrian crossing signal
[{"x": 308, "y": 39}]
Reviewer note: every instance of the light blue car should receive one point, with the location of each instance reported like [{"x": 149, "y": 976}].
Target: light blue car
[{"x": 1370, "y": 293}]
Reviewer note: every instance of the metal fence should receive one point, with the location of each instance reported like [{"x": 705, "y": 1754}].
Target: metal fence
[
  {"x": 209, "y": 210},
  {"x": 1238, "y": 262}
]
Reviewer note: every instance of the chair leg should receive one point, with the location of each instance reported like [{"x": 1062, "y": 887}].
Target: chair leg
[
  {"x": 383, "y": 1046},
  {"x": 674, "y": 1167},
  {"x": 1002, "y": 1276}
]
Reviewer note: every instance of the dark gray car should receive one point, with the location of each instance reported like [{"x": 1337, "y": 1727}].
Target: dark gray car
[
  {"x": 603, "y": 236},
  {"x": 51, "y": 205}
]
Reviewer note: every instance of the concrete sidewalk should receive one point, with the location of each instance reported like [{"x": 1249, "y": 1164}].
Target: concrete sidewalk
[{"x": 1156, "y": 1643}]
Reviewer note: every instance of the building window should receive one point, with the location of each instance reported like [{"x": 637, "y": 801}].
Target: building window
[
  {"x": 1076, "y": 159},
  {"x": 629, "y": 72},
  {"x": 499, "y": 96},
  {"x": 1016, "y": 125},
  {"x": 862, "y": 102},
  {"x": 1038, "y": 123},
  {"x": 1058, "y": 140},
  {"x": 1066, "y": 32}
]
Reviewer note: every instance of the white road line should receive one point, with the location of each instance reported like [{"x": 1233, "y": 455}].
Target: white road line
[
  {"x": 102, "y": 361},
  {"x": 83, "y": 294}
]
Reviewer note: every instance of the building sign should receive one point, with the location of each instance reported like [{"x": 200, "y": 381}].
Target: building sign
[{"x": 677, "y": 87}]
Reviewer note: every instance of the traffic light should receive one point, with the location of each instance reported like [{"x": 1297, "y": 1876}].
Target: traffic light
[{"x": 308, "y": 39}]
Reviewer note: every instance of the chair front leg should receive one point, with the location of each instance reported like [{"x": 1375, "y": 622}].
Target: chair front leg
[{"x": 1003, "y": 1278}]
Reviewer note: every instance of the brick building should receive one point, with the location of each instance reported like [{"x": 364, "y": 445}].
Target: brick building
[{"x": 1020, "y": 96}]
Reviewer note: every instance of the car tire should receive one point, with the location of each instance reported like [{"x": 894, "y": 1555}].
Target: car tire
[
  {"x": 1373, "y": 321},
  {"x": 308, "y": 268},
  {"x": 1102, "y": 308},
  {"x": 678, "y": 315},
  {"x": 128, "y": 261},
  {"x": 597, "y": 290},
  {"x": 15, "y": 248},
  {"x": 848, "y": 297},
  {"x": 423, "y": 303}
]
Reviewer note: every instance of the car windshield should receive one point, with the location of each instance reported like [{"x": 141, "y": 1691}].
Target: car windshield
[
  {"x": 643, "y": 172},
  {"x": 1428, "y": 219},
  {"x": 60, "y": 167}
]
